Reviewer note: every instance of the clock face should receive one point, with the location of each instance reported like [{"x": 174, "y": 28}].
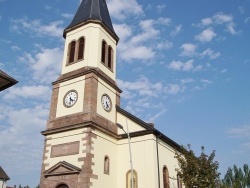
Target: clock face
[
  {"x": 70, "y": 98},
  {"x": 106, "y": 102}
]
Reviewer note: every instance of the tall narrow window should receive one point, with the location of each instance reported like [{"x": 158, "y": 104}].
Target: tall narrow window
[
  {"x": 106, "y": 165},
  {"x": 129, "y": 179},
  {"x": 81, "y": 48},
  {"x": 72, "y": 51},
  {"x": 104, "y": 44},
  {"x": 179, "y": 181},
  {"x": 165, "y": 177},
  {"x": 110, "y": 57}
]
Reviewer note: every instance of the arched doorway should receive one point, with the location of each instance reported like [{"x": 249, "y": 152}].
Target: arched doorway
[{"x": 62, "y": 186}]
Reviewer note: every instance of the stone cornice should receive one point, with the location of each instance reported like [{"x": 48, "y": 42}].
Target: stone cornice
[{"x": 86, "y": 70}]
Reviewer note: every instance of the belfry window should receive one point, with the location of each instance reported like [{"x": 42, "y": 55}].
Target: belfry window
[
  {"x": 110, "y": 57},
  {"x": 81, "y": 48},
  {"x": 76, "y": 50},
  {"x": 72, "y": 47},
  {"x": 107, "y": 55},
  {"x": 165, "y": 177},
  {"x": 104, "y": 46}
]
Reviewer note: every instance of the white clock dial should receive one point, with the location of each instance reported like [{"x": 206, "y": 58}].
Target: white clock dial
[
  {"x": 70, "y": 98},
  {"x": 106, "y": 102}
]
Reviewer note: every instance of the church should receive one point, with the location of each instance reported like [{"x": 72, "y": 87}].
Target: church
[{"x": 90, "y": 140}]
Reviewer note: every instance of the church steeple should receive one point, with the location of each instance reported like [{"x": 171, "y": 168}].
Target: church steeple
[{"x": 92, "y": 11}]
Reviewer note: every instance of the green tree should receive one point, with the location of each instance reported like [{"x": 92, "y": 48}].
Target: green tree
[
  {"x": 200, "y": 172},
  {"x": 236, "y": 177}
]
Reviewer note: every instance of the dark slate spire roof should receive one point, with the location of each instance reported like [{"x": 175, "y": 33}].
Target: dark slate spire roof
[{"x": 95, "y": 10}]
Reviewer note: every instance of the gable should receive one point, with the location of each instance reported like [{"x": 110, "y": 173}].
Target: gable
[{"x": 62, "y": 168}]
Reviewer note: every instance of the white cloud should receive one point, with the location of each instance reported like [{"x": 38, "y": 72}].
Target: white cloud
[
  {"x": 157, "y": 115},
  {"x": 181, "y": 66},
  {"x": 28, "y": 92},
  {"x": 187, "y": 80},
  {"x": 241, "y": 9},
  {"x": 188, "y": 49},
  {"x": 239, "y": 132},
  {"x": 206, "y": 35},
  {"x": 15, "y": 48},
  {"x": 124, "y": 31},
  {"x": 205, "y": 81},
  {"x": 231, "y": 28},
  {"x": 141, "y": 87},
  {"x": 121, "y": 9},
  {"x": 164, "y": 21},
  {"x": 161, "y": 7},
  {"x": 176, "y": 31},
  {"x": 53, "y": 29},
  {"x": 210, "y": 54},
  {"x": 247, "y": 20},
  {"x": 68, "y": 16},
  {"x": 173, "y": 89},
  {"x": 222, "y": 18},
  {"x": 206, "y": 21},
  {"x": 164, "y": 45},
  {"x": 142, "y": 94},
  {"x": 45, "y": 65},
  {"x": 20, "y": 141},
  {"x": 138, "y": 52}
]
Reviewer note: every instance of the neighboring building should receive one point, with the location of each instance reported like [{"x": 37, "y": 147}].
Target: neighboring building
[
  {"x": 83, "y": 145},
  {"x": 6, "y": 81},
  {"x": 3, "y": 178}
]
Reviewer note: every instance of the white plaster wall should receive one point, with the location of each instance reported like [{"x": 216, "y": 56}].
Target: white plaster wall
[
  {"x": 144, "y": 161},
  {"x": 66, "y": 137},
  {"x": 104, "y": 88},
  {"x": 166, "y": 157},
  {"x": 3, "y": 184},
  {"x": 77, "y": 84},
  {"x": 94, "y": 34},
  {"x": 104, "y": 145},
  {"x": 132, "y": 126}
]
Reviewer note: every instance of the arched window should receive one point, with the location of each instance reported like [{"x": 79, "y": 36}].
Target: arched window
[
  {"x": 106, "y": 165},
  {"x": 129, "y": 179},
  {"x": 81, "y": 48},
  {"x": 72, "y": 46},
  {"x": 104, "y": 44},
  {"x": 107, "y": 55},
  {"x": 179, "y": 181},
  {"x": 110, "y": 57},
  {"x": 165, "y": 177}
]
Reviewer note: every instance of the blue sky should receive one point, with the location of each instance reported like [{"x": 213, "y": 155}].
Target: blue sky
[{"x": 183, "y": 65}]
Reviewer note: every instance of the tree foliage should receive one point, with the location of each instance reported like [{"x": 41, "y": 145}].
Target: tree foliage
[
  {"x": 200, "y": 172},
  {"x": 236, "y": 177}
]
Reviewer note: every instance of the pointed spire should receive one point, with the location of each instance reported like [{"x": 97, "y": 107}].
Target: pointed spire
[{"x": 92, "y": 10}]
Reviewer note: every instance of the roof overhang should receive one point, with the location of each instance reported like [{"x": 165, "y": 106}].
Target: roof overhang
[{"x": 6, "y": 81}]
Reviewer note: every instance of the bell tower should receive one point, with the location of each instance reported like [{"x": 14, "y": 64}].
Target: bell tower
[{"x": 84, "y": 99}]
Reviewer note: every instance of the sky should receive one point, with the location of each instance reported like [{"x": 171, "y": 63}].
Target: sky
[{"x": 183, "y": 65}]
